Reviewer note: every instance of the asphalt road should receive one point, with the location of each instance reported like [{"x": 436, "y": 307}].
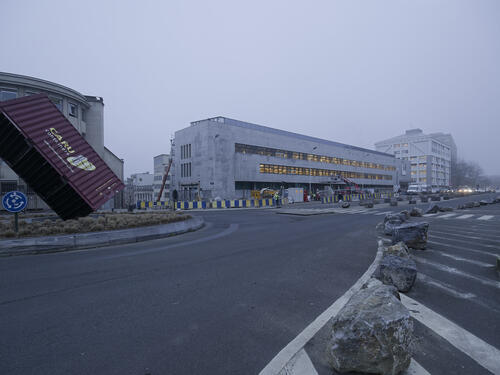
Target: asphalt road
[{"x": 223, "y": 300}]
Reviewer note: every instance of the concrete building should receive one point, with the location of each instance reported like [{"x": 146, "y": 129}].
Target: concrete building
[
  {"x": 139, "y": 187},
  {"x": 160, "y": 164},
  {"x": 430, "y": 156},
  {"x": 85, "y": 113},
  {"x": 226, "y": 158}
]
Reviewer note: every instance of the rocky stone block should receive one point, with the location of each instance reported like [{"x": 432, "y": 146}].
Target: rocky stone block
[
  {"x": 400, "y": 249},
  {"x": 477, "y": 204},
  {"x": 469, "y": 205},
  {"x": 424, "y": 199},
  {"x": 346, "y": 204},
  {"x": 483, "y": 202},
  {"x": 433, "y": 209},
  {"x": 369, "y": 205},
  {"x": 445, "y": 209},
  {"x": 372, "y": 333},
  {"x": 393, "y": 203},
  {"x": 414, "y": 235},
  {"x": 435, "y": 198},
  {"x": 416, "y": 212},
  {"x": 412, "y": 201},
  {"x": 398, "y": 271}
]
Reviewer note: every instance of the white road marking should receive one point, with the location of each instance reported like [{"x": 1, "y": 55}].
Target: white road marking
[
  {"x": 415, "y": 369},
  {"x": 483, "y": 353},
  {"x": 383, "y": 213},
  {"x": 464, "y": 216},
  {"x": 485, "y": 217},
  {"x": 300, "y": 364},
  {"x": 443, "y": 267},
  {"x": 447, "y": 216},
  {"x": 475, "y": 262},
  {"x": 429, "y": 215},
  {"x": 443, "y": 286},
  {"x": 462, "y": 241},
  {"x": 287, "y": 353},
  {"x": 467, "y": 235},
  {"x": 463, "y": 248}
]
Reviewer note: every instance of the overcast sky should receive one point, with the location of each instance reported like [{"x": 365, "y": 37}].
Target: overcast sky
[{"x": 351, "y": 71}]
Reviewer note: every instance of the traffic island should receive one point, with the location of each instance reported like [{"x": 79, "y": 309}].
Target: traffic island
[{"x": 58, "y": 243}]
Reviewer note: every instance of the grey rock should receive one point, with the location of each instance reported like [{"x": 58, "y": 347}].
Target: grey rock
[
  {"x": 394, "y": 218},
  {"x": 433, "y": 209},
  {"x": 372, "y": 333},
  {"x": 445, "y": 209},
  {"x": 446, "y": 197},
  {"x": 412, "y": 201},
  {"x": 461, "y": 207},
  {"x": 405, "y": 214},
  {"x": 477, "y": 204},
  {"x": 399, "y": 199},
  {"x": 424, "y": 199},
  {"x": 387, "y": 200},
  {"x": 346, "y": 204},
  {"x": 435, "y": 198},
  {"x": 483, "y": 202},
  {"x": 469, "y": 205},
  {"x": 416, "y": 212},
  {"x": 400, "y": 249},
  {"x": 369, "y": 205},
  {"x": 390, "y": 226},
  {"x": 393, "y": 203},
  {"x": 414, "y": 235},
  {"x": 398, "y": 271}
]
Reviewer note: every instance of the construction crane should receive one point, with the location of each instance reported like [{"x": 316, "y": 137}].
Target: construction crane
[{"x": 167, "y": 169}]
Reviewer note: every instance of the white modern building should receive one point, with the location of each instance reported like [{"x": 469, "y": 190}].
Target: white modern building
[
  {"x": 226, "y": 158},
  {"x": 160, "y": 165},
  {"x": 85, "y": 113},
  {"x": 430, "y": 156}
]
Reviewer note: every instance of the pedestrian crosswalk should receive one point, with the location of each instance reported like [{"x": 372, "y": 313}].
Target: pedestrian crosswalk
[{"x": 439, "y": 215}]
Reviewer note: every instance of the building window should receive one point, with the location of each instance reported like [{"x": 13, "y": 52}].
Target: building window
[
  {"x": 57, "y": 102},
  {"x": 7, "y": 94},
  {"x": 73, "y": 110}
]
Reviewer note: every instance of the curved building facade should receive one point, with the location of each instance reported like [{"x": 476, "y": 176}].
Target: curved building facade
[{"x": 85, "y": 113}]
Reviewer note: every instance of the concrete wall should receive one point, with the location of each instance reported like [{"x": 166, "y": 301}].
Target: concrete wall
[{"x": 94, "y": 118}]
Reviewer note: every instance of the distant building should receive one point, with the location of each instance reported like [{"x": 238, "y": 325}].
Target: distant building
[
  {"x": 226, "y": 158},
  {"x": 430, "y": 156},
  {"x": 139, "y": 187},
  {"x": 85, "y": 113},
  {"x": 160, "y": 164}
]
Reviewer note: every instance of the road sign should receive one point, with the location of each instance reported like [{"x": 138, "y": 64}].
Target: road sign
[{"x": 14, "y": 201}]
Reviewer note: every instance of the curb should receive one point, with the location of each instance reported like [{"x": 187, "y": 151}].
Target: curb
[{"x": 52, "y": 244}]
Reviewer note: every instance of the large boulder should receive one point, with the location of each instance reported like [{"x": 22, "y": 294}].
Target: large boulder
[
  {"x": 398, "y": 271},
  {"x": 369, "y": 205},
  {"x": 424, "y": 199},
  {"x": 345, "y": 204},
  {"x": 414, "y": 235},
  {"x": 416, "y": 212},
  {"x": 372, "y": 333},
  {"x": 400, "y": 249},
  {"x": 477, "y": 204},
  {"x": 393, "y": 202},
  {"x": 406, "y": 214},
  {"x": 445, "y": 209},
  {"x": 483, "y": 202},
  {"x": 469, "y": 205},
  {"x": 433, "y": 209},
  {"x": 395, "y": 218}
]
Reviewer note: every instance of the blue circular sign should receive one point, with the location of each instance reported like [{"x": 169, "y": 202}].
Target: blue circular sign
[{"x": 14, "y": 201}]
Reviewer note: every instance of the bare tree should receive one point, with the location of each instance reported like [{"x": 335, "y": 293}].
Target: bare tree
[{"x": 465, "y": 173}]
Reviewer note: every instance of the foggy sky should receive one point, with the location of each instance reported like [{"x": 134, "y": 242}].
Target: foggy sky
[{"x": 351, "y": 71}]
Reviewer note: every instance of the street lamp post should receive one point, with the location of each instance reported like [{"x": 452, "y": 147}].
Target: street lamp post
[{"x": 310, "y": 174}]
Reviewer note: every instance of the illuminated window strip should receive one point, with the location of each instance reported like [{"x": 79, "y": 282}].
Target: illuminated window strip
[
  {"x": 301, "y": 171},
  {"x": 267, "y": 151}
]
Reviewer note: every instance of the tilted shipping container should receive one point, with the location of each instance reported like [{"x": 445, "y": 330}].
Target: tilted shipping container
[{"x": 39, "y": 143}]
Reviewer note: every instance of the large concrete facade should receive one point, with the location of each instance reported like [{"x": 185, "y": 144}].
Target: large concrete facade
[
  {"x": 222, "y": 157},
  {"x": 430, "y": 155},
  {"x": 85, "y": 113}
]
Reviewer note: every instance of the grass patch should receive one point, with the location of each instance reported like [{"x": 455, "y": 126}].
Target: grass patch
[{"x": 95, "y": 223}]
